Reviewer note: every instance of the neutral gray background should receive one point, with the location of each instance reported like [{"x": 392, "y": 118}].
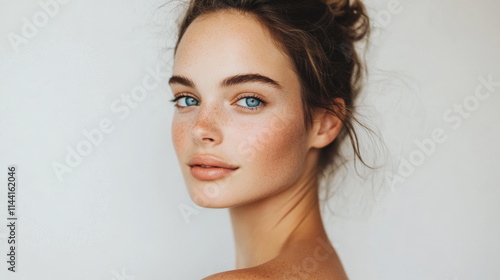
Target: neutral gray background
[{"x": 117, "y": 215}]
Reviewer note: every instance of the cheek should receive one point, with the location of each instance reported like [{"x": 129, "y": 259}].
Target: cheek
[
  {"x": 273, "y": 149},
  {"x": 284, "y": 144},
  {"x": 179, "y": 130}
]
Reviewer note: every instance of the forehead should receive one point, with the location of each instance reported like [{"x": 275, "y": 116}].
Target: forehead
[{"x": 226, "y": 43}]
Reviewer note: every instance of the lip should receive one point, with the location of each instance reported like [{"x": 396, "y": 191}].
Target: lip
[
  {"x": 210, "y": 173},
  {"x": 218, "y": 168},
  {"x": 210, "y": 160}
]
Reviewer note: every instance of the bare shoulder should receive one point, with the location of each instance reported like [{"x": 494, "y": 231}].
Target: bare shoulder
[
  {"x": 239, "y": 274},
  {"x": 303, "y": 261}
]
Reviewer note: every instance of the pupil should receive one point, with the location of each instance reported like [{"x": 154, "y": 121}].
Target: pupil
[{"x": 253, "y": 101}]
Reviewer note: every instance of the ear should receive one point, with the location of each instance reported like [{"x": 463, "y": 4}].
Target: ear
[{"x": 326, "y": 125}]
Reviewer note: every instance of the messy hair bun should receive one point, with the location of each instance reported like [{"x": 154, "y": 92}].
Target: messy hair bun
[
  {"x": 319, "y": 37},
  {"x": 351, "y": 18}
]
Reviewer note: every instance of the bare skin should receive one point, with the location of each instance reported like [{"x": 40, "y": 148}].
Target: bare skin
[
  {"x": 272, "y": 197},
  {"x": 289, "y": 243},
  {"x": 283, "y": 237}
]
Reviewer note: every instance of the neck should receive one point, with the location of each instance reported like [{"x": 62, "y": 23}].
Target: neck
[{"x": 264, "y": 228}]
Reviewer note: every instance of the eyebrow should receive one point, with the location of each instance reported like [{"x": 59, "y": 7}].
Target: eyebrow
[{"x": 229, "y": 81}]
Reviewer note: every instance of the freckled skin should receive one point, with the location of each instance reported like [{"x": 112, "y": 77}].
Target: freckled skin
[
  {"x": 207, "y": 56},
  {"x": 272, "y": 196}
]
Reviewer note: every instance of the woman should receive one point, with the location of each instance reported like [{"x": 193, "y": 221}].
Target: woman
[{"x": 264, "y": 94}]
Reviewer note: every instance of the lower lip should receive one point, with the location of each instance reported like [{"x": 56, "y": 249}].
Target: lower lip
[{"x": 210, "y": 173}]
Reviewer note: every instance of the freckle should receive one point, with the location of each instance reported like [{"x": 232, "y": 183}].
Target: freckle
[{"x": 178, "y": 132}]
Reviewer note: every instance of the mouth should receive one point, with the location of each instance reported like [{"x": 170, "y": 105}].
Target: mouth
[
  {"x": 211, "y": 166},
  {"x": 208, "y": 167},
  {"x": 210, "y": 173}
]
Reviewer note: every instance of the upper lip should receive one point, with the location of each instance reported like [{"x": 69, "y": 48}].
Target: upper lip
[{"x": 210, "y": 160}]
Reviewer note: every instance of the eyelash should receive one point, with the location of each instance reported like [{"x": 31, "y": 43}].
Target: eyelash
[{"x": 263, "y": 102}]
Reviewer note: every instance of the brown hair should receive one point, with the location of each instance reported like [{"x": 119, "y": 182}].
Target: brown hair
[{"x": 319, "y": 38}]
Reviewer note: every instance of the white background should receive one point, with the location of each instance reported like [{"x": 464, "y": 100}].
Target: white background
[{"x": 116, "y": 214}]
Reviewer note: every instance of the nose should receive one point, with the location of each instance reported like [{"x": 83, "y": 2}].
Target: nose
[{"x": 207, "y": 128}]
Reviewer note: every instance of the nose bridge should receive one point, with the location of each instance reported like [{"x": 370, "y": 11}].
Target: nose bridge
[
  {"x": 205, "y": 117},
  {"x": 208, "y": 122}
]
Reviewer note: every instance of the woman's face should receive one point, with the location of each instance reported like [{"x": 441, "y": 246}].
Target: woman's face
[{"x": 266, "y": 140}]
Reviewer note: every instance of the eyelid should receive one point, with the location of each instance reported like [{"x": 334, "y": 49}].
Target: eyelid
[
  {"x": 179, "y": 96},
  {"x": 262, "y": 100},
  {"x": 255, "y": 96}
]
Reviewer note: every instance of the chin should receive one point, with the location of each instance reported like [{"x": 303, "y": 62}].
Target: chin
[
  {"x": 209, "y": 195},
  {"x": 214, "y": 194}
]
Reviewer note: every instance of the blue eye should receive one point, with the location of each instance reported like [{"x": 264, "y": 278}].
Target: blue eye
[
  {"x": 189, "y": 101},
  {"x": 252, "y": 102}
]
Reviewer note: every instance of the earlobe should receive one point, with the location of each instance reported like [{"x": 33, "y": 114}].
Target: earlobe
[{"x": 327, "y": 125}]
